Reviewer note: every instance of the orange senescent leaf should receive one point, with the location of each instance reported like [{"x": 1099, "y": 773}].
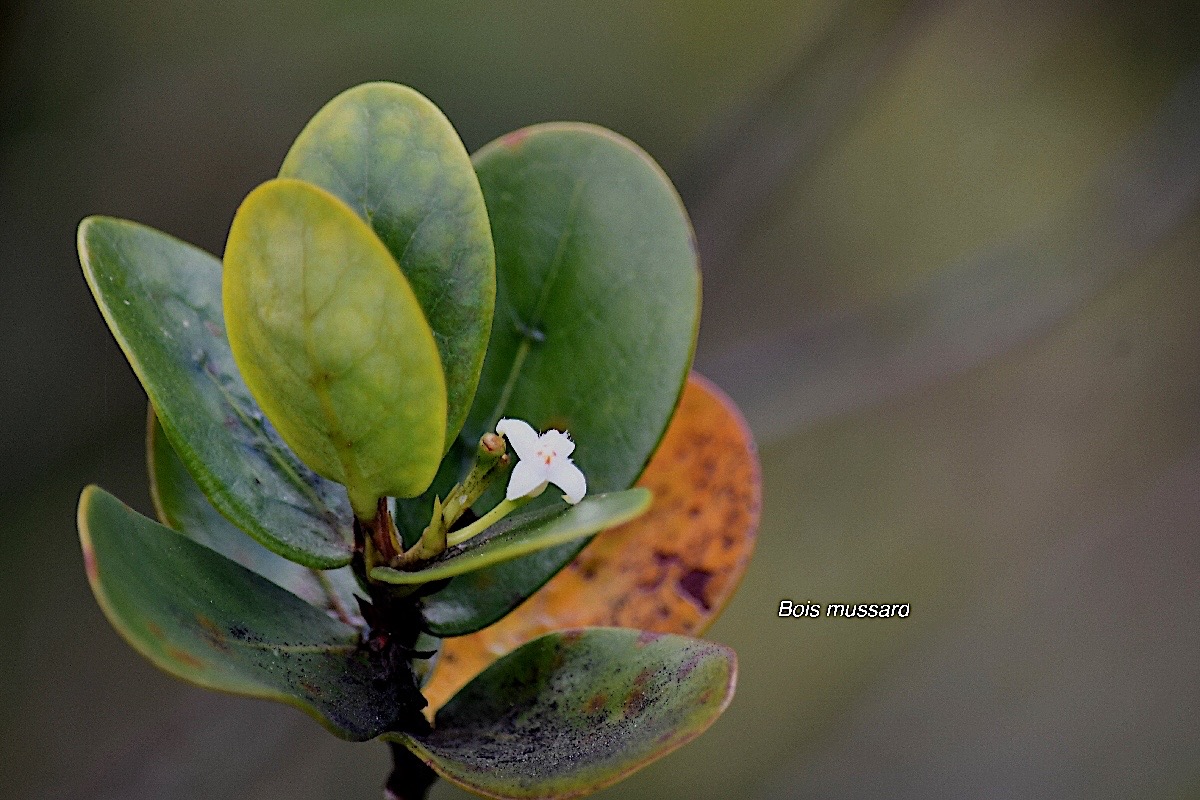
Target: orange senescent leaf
[{"x": 671, "y": 570}]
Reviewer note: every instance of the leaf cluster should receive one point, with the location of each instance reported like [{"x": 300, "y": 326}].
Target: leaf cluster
[{"x": 321, "y": 389}]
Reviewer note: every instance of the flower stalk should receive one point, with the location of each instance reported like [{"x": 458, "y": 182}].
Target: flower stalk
[
  {"x": 490, "y": 460},
  {"x": 502, "y": 510},
  {"x": 544, "y": 459}
]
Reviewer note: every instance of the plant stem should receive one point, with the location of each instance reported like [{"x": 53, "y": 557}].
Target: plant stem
[
  {"x": 502, "y": 509},
  {"x": 411, "y": 778},
  {"x": 431, "y": 544},
  {"x": 383, "y": 532}
]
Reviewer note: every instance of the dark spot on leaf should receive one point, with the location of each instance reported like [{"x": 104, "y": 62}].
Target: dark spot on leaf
[
  {"x": 243, "y": 634},
  {"x": 596, "y": 703},
  {"x": 695, "y": 585},
  {"x": 155, "y": 631}
]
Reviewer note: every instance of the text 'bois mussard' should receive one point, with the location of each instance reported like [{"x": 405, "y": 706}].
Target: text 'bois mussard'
[{"x": 789, "y": 608}]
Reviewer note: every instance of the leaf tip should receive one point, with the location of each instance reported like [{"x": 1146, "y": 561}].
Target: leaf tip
[{"x": 84, "y": 224}]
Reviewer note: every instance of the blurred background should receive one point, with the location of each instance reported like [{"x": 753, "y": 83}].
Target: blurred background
[{"x": 950, "y": 260}]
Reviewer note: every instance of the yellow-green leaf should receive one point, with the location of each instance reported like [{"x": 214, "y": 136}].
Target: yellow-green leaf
[
  {"x": 394, "y": 158},
  {"x": 332, "y": 342}
]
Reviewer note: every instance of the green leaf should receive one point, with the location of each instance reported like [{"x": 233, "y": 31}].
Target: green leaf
[
  {"x": 573, "y": 712},
  {"x": 205, "y": 619},
  {"x": 522, "y": 534},
  {"x": 333, "y": 344},
  {"x": 394, "y": 158},
  {"x": 597, "y": 305},
  {"x": 162, "y": 301},
  {"x": 181, "y": 505}
]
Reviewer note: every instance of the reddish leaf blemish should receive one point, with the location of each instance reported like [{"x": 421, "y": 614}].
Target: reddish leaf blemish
[
  {"x": 185, "y": 658},
  {"x": 689, "y": 665},
  {"x": 515, "y": 138},
  {"x": 89, "y": 564},
  {"x": 645, "y": 638},
  {"x": 213, "y": 634},
  {"x": 596, "y": 703},
  {"x": 635, "y": 702}
]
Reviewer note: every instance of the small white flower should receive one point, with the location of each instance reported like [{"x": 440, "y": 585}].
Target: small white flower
[{"x": 545, "y": 459}]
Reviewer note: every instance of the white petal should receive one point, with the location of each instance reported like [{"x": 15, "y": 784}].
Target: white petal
[
  {"x": 568, "y": 477},
  {"x": 559, "y": 442},
  {"x": 522, "y": 437},
  {"x": 528, "y": 478}
]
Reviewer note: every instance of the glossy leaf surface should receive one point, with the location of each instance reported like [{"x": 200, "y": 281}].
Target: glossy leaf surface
[
  {"x": 671, "y": 570},
  {"x": 522, "y": 534},
  {"x": 395, "y": 159},
  {"x": 573, "y": 712},
  {"x": 331, "y": 340},
  {"x": 597, "y": 304},
  {"x": 205, "y": 619},
  {"x": 162, "y": 301},
  {"x": 182, "y": 506}
]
